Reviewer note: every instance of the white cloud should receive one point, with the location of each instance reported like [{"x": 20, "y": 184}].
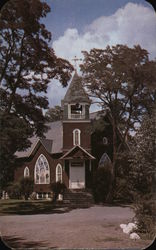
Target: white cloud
[
  {"x": 133, "y": 24},
  {"x": 55, "y": 93}
]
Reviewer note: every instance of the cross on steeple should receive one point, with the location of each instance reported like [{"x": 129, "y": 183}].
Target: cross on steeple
[{"x": 75, "y": 61}]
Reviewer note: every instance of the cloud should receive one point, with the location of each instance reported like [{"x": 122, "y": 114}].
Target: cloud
[
  {"x": 55, "y": 93},
  {"x": 133, "y": 24}
]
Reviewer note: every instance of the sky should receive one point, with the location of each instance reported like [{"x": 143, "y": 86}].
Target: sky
[{"x": 78, "y": 25}]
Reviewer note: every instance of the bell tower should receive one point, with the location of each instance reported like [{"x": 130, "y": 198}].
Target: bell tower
[
  {"x": 77, "y": 135},
  {"x": 76, "y": 121}
]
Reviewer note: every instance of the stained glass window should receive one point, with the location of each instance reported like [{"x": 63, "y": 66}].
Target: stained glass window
[
  {"x": 42, "y": 172},
  {"x": 26, "y": 172}
]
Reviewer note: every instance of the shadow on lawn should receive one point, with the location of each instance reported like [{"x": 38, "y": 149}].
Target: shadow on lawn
[
  {"x": 30, "y": 208},
  {"x": 18, "y": 242}
]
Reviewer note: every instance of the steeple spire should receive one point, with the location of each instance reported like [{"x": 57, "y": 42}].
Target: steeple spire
[{"x": 76, "y": 92}]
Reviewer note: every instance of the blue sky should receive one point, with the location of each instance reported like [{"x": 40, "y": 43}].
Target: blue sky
[
  {"x": 78, "y": 25},
  {"x": 80, "y": 13}
]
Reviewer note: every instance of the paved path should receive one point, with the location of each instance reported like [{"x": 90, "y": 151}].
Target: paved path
[{"x": 95, "y": 227}]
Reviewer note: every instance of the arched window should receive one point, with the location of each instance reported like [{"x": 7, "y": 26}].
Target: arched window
[
  {"x": 26, "y": 172},
  {"x": 59, "y": 173},
  {"x": 76, "y": 137},
  {"x": 42, "y": 172},
  {"x": 105, "y": 160}
]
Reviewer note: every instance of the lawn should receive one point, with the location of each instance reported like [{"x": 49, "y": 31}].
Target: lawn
[{"x": 28, "y": 207}]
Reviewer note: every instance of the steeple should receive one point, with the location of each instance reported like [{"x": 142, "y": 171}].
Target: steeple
[
  {"x": 76, "y": 92},
  {"x": 76, "y": 102}
]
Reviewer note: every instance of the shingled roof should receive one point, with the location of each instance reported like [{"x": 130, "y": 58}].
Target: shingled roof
[
  {"x": 76, "y": 92},
  {"x": 52, "y": 142}
]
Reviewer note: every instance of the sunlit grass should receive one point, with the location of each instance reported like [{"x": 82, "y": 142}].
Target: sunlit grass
[{"x": 25, "y": 207}]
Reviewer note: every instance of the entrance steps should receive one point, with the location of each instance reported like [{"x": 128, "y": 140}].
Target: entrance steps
[{"x": 78, "y": 198}]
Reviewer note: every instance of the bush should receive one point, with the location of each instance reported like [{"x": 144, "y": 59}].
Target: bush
[
  {"x": 145, "y": 210},
  {"x": 26, "y": 187},
  {"x": 101, "y": 183},
  {"x": 122, "y": 192},
  {"x": 14, "y": 191},
  {"x": 57, "y": 188}
]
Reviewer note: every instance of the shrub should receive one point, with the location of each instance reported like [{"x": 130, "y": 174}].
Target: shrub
[
  {"x": 14, "y": 191},
  {"x": 145, "y": 210},
  {"x": 57, "y": 188},
  {"x": 26, "y": 187},
  {"x": 122, "y": 193},
  {"x": 101, "y": 183}
]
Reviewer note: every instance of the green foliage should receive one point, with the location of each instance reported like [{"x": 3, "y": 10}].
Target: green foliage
[
  {"x": 143, "y": 160},
  {"x": 54, "y": 114},
  {"x": 57, "y": 188},
  {"x": 122, "y": 193},
  {"x": 120, "y": 78},
  {"x": 142, "y": 178},
  {"x": 145, "y": 209},
  {"x": 14, "y": 191},
  {"x": 26, "y": 187},
  {"x": 101, "y": 183},
  {"x": 27, "y": 65}
]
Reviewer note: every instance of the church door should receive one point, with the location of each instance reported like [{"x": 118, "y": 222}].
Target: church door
[{"x": 77, "y": 175}]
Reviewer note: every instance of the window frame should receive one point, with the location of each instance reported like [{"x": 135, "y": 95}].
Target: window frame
[
  {"x": 46, "y": 169},
  {"x": 59, "y": 166},
  {"x": 25, "y": 170},
  {"x": 74, "y": 137}
]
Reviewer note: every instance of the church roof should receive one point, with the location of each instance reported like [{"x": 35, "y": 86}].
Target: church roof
[
  {"x": 52, "y": 142},
  {"x": 76, "y": 92}
]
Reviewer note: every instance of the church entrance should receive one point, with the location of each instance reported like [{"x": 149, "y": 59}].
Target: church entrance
[{"x": 77, "y": 175}]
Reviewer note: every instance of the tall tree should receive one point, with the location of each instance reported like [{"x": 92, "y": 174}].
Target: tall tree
[
  {"x": 27, "y": 65},
  {"x": 54, "y": 114},
  {"x": 118, "y": 78},
  {"x": 142, "y": 176},
  {"x": 143, "y": 157}
]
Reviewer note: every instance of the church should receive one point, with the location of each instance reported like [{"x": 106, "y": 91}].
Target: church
[
  {"x": 70, "y": 150},
  {"x": 64, "y": 154}
]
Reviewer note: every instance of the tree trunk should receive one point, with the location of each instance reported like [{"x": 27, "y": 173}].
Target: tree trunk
[{"x": 109, "y": 197}]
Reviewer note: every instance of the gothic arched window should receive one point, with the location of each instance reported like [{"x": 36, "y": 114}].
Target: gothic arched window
[
  {"x": 59, "y": 173},
  {"x": 76, "y": 137},
  {"x": 26, "y": 172},
  {"x": 105, "y": 160},
  {"x": 42, "y": 172}
]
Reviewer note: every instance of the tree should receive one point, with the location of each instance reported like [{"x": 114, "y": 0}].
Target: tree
[
  {"x": 54, "y": 114},
  {"x": 143, "y": 159},
  {"x": 142, "y": 177},
  {"x": 118, "y": 78},
  {"x": 27, "y": 65},
  {"x": 101, "y": 182},
  {"x": 26, "y": 187}
]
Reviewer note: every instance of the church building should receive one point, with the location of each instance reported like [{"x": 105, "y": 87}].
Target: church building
[{"x": 65, "y": 153}]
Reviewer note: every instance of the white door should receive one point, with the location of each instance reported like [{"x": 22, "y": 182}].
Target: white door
[{"x": 77, "y": 177}]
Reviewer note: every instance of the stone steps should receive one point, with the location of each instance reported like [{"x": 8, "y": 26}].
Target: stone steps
[{"x": 78, "y": 198}]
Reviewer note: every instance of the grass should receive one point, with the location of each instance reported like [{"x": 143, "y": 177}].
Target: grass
[{"x": 22, "y": 207}]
